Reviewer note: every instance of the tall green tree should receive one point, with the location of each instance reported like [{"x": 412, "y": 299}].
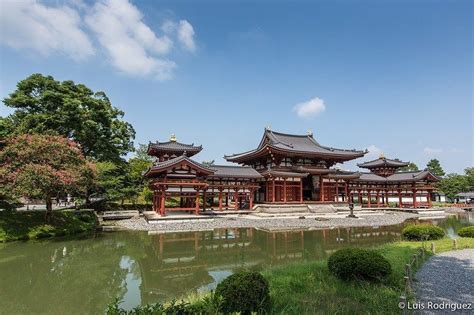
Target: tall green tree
[
  {"x": 43, "y": 166},
  {"x": 469, "y": 178},
  {"x": 411, "y": 167},
  {"x": 45, "y": 105},
  {"x": 435, "y": 167},
  {"x": 453, "y": 184}
]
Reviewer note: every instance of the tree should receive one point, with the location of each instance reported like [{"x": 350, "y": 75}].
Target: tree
[
  {"x": 435, "y": 167},
  {"x": 469, "y": 178},
  {"x": 44, "y": 105},
  {"x": 208, "y": 163},
  {"x": 43, "y": 166},
  {"x": 411, "y": 167},
  {"x": 453, "y": 184}
]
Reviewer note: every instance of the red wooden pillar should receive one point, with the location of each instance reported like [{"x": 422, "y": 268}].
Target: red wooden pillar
[
  {"x": 337, "y": 191},
  {"x": 267, "y": 193},
  {"x": 251, "y": 198},
  {"x": 284, "y": 190},
  {"x": 400, "y": 201},
  {"x": 162, "y": 202},
  {"x": 236, "y": 199},
  {"x": 204, "y": 200},
  {"x": 346, "y": 193},
  {"x": 359, "y": 197},
  {"x": 220, "y": 199},
  {"x": 321, "y": 189},
  {"x": 273, "y": 190},
  {"x": 196, "y": 209},
  {"x": 414, "y": 199},
  {"x": 428, "y": 196},
  {"x": 378, "y": 198},
  {"x": 368, "y": 199},
  {"x": 301, "y": 190}
]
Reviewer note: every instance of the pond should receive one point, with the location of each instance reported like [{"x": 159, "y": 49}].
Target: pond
[{"x": 81, "y": 276}]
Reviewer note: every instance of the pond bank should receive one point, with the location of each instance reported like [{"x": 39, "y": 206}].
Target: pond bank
[
  {"x": 25, "y": 225},
  {"x": 276, "y": 223}
]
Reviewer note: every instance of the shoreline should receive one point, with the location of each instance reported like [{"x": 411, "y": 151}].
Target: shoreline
[{"x": 271, "y": 224}]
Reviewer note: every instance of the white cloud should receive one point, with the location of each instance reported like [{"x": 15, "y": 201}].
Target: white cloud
[
  {"x": 186, "y": 35},
  {"x": 183, "y": 30},
  {"x": 374, "y": 152},
  {"x": 131, "y": 45},
  {"x": 30, "y": 25},
  {"x": 310, "y": 108},
  {"x": 117, "y": 26},
  {"x": 429, "y": 150}
]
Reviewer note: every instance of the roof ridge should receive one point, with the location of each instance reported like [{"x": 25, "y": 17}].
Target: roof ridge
[{"x": 239, "y": 166}]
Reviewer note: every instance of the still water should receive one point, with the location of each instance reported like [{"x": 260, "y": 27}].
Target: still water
[{"x": 81, "y": 276}]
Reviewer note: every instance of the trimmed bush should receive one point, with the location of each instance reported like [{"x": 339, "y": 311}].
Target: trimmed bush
[
  {"x": 422, "y": 232},
  {"x": 244, "y": 292},
  {"x": 359, "y": 264},
  {"x": 466, "y": 231}
]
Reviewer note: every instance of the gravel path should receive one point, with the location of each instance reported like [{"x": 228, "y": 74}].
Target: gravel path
[
  {"x": 387, "y": 218},
  {"x": 447, "y": 278}
]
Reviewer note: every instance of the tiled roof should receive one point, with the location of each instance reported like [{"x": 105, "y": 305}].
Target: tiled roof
[
  {"x": 302, "y": 144},
  {"x": 234, "y": 171},
  {"x": 398, "y": 177},
  {"x": 382, "y": 161},
  {"x": 173, "y": 147},
  {"x": 278, "y": 173},
  {"x": 158, "y": 166}
]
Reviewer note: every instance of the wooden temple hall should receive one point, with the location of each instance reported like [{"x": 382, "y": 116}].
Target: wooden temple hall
[{"x": 284, "y": 168}]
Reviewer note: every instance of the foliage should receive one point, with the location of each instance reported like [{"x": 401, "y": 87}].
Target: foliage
[
  {"x": 469, "y": 174},
  {"x": 309, "y": 287},
  {"x": 208, "y": 163},
  {"x": 44, "y": 105},
  {"x": 359, "y": 264},
  {"x": 410, "y": 167},
  {"x": 453, "y": 184},
  {"x": 23, "y": 225},
  {"x": 173, "y": 308},
  {"x": 435, "y": 167},
  {"x": 422, "y": 232},
  {"x": 42, "y": 166},
  {"x": 244, "y": 292},
  {"x": 467, "y": 231}
]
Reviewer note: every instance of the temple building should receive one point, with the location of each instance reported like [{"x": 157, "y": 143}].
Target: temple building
[
  {"x": 384, "y": 185},
  {"x": 284, "y": 168}
]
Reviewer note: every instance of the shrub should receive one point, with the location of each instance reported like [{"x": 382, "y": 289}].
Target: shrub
[
  {"x": 359, "y": 264},
  {"x": 422, "y": 232},
  {"x": 466, "y": 231},
  {"x": 244, "y": 292}
]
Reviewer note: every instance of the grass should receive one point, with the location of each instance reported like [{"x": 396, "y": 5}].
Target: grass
[
  {"x": 23, "y": 225},
  {"x": 309, "y": 288}
]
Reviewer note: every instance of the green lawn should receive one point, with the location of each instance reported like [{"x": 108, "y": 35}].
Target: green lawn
[
  {"x": 309, "y": 288},
  {"x": 23, "y": 225}
]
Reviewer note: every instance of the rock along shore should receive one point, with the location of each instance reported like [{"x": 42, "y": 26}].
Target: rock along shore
[{"x": 274, "y": 223}]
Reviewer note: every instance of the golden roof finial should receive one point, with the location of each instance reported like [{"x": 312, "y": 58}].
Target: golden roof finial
[
  {"x": 173, "y": 137},
  {"x": 382, "y": 156},
  {"x": 268, "y": 127},
  {"x": 310, "y": 132}
]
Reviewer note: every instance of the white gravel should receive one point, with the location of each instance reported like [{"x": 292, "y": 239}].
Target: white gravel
[
  {"x": 385, "y": 218},
  {"x": 447, "y": 279}
]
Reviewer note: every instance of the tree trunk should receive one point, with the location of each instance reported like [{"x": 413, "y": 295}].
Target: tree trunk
[{"x": 49, "y": 208}]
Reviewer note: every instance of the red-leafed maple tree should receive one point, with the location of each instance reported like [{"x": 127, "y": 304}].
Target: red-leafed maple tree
[{"x": 43, "y": 166}]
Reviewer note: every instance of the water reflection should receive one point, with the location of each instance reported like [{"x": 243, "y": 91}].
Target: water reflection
[{"x": 83, "y": 276}]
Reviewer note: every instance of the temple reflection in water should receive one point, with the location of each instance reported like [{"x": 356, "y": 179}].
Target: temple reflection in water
[{"x": 182, "y": 263}]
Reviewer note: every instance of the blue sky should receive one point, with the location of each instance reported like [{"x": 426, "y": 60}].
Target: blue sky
[{"x": 391, "y": 76}]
